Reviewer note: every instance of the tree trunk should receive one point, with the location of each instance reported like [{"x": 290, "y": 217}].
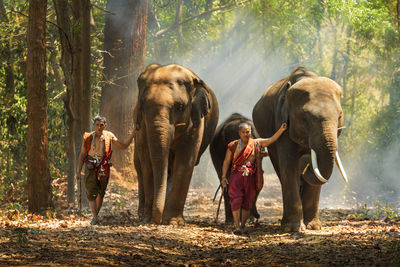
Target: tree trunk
[
  {"x": 178, "y": 17},
  {"x": 39, "y": 187},
  {"x": 125, "y": 42},
  {"x": 86, "y": 102},
  {"x": 346, "y": 61},
  {"x": 81, "y": 100},
  {"x": 77, "y": 90},
  {"x": 335, "y": 51},
  {"x": 64, "y": 24},
  {"x": 156, "y": 41}
]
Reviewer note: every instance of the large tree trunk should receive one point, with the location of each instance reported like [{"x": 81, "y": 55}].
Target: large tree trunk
[
  {"x": 346, "y": 61},
  {"x": 335, "y": 52},
  {"x": 39, "y": 188},
  {"x": 64, "y": 26},
  {"x": 75, "y": 62},
  {"x": 178, "y": 17},
  {"x": 125, "y": 42},
  {"x": 86, "y": 102},
  {"x": 77, "y": 90},
  {"x": 81, "y": 100}
]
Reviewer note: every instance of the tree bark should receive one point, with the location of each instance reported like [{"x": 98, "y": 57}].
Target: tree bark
[
  {"x": 178, "y": 18},
  {"x": 77, "y": 90},
  {"x": 39, "y": 187},
  {"x": 81, "y": 100},
  {"x": 335, "y": 51},
  {"x": 153, "y": 20},
  {"x": 346, "y": 61},
  {"x": 64, "y": 24},
  {"x": 86, "y": 103},
  {"x": 125, "y": 42}
]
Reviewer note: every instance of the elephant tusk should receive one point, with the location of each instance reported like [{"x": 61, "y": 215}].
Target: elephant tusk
[
  {"x": 341, "y": 128},
  {"x": 305, "y": 169},
  {"x": 340, "y": 166},
  {"x": 180, "y": 124},
  {"x": 315, "y": 167}
]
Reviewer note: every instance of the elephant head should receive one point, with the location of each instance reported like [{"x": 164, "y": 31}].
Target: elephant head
[
  {"x": 172, "y": 101},
  {"x": 311, "y": 107}
]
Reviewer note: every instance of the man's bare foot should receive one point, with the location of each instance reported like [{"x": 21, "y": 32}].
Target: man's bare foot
[{"x": 238, "y": 231}]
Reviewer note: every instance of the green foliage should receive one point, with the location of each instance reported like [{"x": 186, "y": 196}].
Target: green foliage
[
  {"x": 13, "y": 116},
  {"x": 381, "y": 211},
  {"x": 20, "y": 234}
]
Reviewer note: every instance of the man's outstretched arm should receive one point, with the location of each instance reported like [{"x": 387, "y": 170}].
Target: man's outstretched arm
[{"x": 267, "y": 141}]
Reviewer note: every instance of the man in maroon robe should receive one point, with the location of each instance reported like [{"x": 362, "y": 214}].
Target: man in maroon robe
[{"x": 246, "y": 175}]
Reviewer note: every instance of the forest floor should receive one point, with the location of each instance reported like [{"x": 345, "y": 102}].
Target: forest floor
[{"x": 63, "y": 239}]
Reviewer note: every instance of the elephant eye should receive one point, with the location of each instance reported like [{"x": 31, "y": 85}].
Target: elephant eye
[{"x": 179, "y": 106}]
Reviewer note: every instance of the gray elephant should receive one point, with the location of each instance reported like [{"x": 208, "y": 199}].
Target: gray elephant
[
  {"x": 305, "y": 154},
  {"x": 176, "y": 116},
  {"x": 225, "y": 133}
]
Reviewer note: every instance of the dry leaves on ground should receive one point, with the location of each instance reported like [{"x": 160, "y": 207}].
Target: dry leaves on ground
[{"x": 63, "y": 238}]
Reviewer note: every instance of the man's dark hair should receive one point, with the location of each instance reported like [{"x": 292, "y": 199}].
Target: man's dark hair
[{"x": 99, "y": 118}]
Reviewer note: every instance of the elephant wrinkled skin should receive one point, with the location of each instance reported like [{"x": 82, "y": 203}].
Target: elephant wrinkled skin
[
  {"x": 311, "y": 107},
  {"x": 225, "y": 133},
  {"x": 176, "y": 115}
]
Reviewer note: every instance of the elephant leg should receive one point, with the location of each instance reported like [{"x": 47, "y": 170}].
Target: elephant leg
[
  {"x": 228, "y": 210},
  {"x": 173, "y": 212},
  {"x": 140, "y": 188},
  {"x": 292, "y": 220},
  {"x": 310, "y": 200},
  {"x": 147, "y": 187},
  {"x": 185, "y": 158},
  {"x": 254, "y": 213}
]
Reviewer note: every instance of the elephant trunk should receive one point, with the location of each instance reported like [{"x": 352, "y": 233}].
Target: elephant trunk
[
  {"x": 160, "y": 134},
  {"x": 317, "y": 169}
]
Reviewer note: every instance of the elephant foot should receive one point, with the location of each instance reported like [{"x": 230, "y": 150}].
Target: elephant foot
[
  {"x": 293, "y": 227},
  {"x": 146, "y": 220},
  {"x": 314, "y": 224},
  {"x": 178, "y": 221},
  {"x": 157, "y": 218}
]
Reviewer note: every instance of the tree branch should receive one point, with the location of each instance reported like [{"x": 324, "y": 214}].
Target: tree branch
[
  {"x": 176, "y": 24},
  {"x": 102, "y": 9}
]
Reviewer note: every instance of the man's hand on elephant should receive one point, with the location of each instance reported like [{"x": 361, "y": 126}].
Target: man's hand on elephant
[
  {"x": 224, "y": 182},
  {"x": 284, "y": 126}
]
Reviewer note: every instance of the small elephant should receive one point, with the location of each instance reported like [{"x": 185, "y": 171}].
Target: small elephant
[
  {"x": 176, "y": 116},
  {"x": 225, "y": 133},
  {"x": 304, "y": 155}
]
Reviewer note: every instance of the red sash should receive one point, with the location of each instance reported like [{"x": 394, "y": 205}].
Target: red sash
[
  {"x": 242, "y": 157},
  {"x": 107, "y": 152},
  {"x": 244, "y": 154}
]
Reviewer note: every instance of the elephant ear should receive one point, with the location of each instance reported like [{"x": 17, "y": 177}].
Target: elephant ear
[
  {"x": 282, "y": 111},
  {"x": 200, "y": 102}
]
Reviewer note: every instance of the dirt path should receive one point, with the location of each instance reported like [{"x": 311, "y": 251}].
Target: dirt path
[{"x": 122, "y": 240}]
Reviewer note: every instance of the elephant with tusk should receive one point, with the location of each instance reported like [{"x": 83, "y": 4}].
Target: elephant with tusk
[
  {"x": 176, "y": 116},
  {"x": 304, "y": 156}
]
